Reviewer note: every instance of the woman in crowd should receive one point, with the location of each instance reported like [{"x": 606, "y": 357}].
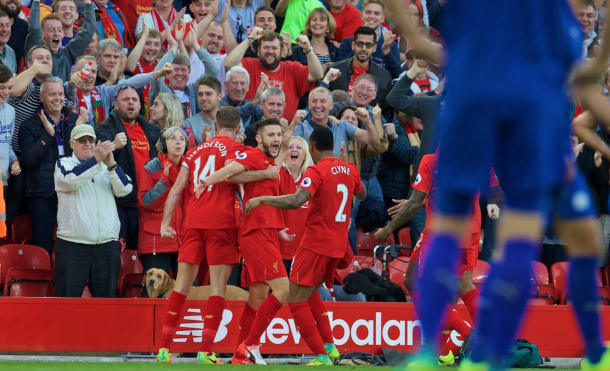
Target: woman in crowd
[
  {"x": 166, "y": 112},
  {"x": 319, "y": 28},
  {"x": 154, "y": 184},
  {"x": 297, "y": 161}
]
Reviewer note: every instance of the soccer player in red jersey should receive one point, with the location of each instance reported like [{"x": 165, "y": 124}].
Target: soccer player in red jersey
[
  {"x": 424, "y": 190},
  {"x": 210, "y": 231},
  {"x": 328, "y": 186},
  {"x": 258, "y": 236}
]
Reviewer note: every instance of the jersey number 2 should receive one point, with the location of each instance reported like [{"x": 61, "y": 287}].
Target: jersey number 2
[
  {"x": 340, "y": 217},
  {"x": 208, "y": 169}
]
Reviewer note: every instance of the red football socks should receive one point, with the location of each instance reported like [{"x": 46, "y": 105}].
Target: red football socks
[
  {"x": 454, "y": 321},
  {"x": 265, "y": 314},
  {"x": 172, "y": 317},
  {"x": 245, "y": 323},
  {"x": 211, "y": 322},
  {"x": 307, "y": 326},
  {"x": 320, "y": 315},
  {"x": 471, "y": 300}
]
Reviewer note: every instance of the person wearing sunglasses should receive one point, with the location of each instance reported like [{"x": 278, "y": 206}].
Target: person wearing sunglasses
[
  {"x": 342, "y": 75},
  {"x": 87, "y": 245}
]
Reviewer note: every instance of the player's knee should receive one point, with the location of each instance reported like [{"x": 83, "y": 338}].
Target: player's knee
[
  {"x": 281, "y": 293},
  {"x": 465, "y": 286}
]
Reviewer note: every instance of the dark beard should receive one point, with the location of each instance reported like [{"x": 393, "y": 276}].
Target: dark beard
[
  {"x": 270, "y": 67},
  {"x": 11, "y": 13}
]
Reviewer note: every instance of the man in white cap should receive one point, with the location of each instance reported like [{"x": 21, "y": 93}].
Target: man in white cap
[{"x": 87, "y": 246}]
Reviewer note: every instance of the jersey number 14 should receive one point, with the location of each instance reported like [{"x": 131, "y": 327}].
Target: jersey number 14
[{"x": 208, "y": 169}]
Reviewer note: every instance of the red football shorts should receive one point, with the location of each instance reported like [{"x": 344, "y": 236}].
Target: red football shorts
[
  {"x": 468, "y": 257},
  {"x": 261, "y": 251},
  {"x": 309, "y": 268},
  {"x": 219, "y": 246}
]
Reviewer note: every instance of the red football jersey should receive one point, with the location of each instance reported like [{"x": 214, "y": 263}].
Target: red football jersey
[
  {"x": 214, "y": 209},
  {"x": 293, "y": 218},
  {"x": 263, "y": 216},
  {"x": 424, "y": 182},
  {"x": 332, "y": 183}
]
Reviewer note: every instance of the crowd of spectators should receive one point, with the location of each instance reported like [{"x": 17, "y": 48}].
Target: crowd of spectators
[{"x": 149, "y": 76}]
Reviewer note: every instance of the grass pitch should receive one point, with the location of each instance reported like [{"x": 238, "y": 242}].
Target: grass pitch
[{"x": 73, "y": 366}]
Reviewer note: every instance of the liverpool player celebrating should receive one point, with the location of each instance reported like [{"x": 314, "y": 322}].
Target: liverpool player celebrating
[
  {"x": 330, "y": 184},
  {"x": 210, "y": 231},
  {"x": 259, "y": 244}
]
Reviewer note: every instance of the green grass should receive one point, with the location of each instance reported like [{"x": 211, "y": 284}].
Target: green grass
[{"x": 73, "y": 366}]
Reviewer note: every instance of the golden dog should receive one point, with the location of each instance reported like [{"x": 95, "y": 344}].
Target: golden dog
[{"x": 160, "y": 285}]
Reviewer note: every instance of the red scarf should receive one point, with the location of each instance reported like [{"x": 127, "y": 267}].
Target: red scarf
[
  {"x": 110, "y": 29},
  {"x": 158, "y": 22},
  {"x": 145, "y": 68},
  {"x": 97, "y": 105}
]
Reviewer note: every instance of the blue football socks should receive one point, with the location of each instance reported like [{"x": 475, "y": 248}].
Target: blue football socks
[
  {"x": 582, "y": 291},
  {"x": 438, "y": 286}
]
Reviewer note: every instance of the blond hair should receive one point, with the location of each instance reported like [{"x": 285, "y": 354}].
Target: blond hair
[
  {"x": 173, "y": 107},
  {"x": 308, "y": 161}
]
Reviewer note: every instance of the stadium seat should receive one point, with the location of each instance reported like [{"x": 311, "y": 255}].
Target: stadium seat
[
  {"x": 28, "y": 282},
  {"x": 398, "y": 278},
  {"x": 21, "y": 229},
  {"x": 542, "y": 292},
  {"x": 22, "y": 256},
  {"x": 559, "y": 274},
  {"x": 130, "y": 263},
  {"x": 366, "y": 242},
  {"x": 6, "y": 241},
  {"x": 404, "y": 237},
  {"x": 364, "y": 261},
  {"x": 397, "y": 265},
  {"x": 131, "y": 285}
]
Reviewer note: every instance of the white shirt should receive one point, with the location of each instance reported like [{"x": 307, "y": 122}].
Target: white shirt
[{"x": 197, "y": 69}]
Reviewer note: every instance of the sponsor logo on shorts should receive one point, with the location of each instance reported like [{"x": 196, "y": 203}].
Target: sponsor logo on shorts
[
  {"x": 418, "y": 179},
  {"x": 306, "y": 182}
]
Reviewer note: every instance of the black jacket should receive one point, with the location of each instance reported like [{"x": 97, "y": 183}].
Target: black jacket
[
  {"x": 384, "y": 82},
  {"x": 298, "y": 55},
  {"x": 107, "y": 130},
  {"x": 40, "y": 152}
]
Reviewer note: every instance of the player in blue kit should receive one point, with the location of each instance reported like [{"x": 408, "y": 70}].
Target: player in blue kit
[{"x": 510, "y": 61}]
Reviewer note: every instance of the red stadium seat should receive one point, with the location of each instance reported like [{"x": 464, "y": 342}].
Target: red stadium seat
[
  {"x": 404, "y": 237},
  {"x": 22, "y": 256},
  {"x": 559, "y": 274},
  {"x": 542, "y": 292},
  {"x": 130, "y": 263},
  {"x": 131, "y": 285},
  {"x": 6, "y": 241},
  {"x": 398, "y": 278},
  {"x": 366, "y": 242},
  {"x": 398, "y": 265},
  {"x": 21, "y": 229},
  {"x": 364, "y": 261},
  {"x": 28, "y": 282}
]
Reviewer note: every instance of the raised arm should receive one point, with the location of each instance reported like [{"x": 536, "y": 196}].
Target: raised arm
[
  {"x": 371, "y": 135},
  {"x": 236, "y": 55},
  {"x": 221, "y": 175},
  {"x": 23, "y": 80},
  {"x": 136, "y": 52},
  {"x": 77, "y": 46},
  {"x": 281, "y": 7},
  {"x": 230, "y": 42},
  {"x": 315, "y": 68},
  {"x": 34, "y": 36}
]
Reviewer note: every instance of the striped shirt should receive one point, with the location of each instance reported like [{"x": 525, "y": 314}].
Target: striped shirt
[{"x": 26, "y": 105}]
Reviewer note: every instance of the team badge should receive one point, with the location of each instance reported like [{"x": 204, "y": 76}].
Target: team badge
[
  {"x": 418, "y": 179},
  {"x": 306, "y": 182}
]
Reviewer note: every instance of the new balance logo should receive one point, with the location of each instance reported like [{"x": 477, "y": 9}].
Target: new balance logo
[
  {"x": 208, "y": 316},
  {"x": 192, "y": 326}
]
